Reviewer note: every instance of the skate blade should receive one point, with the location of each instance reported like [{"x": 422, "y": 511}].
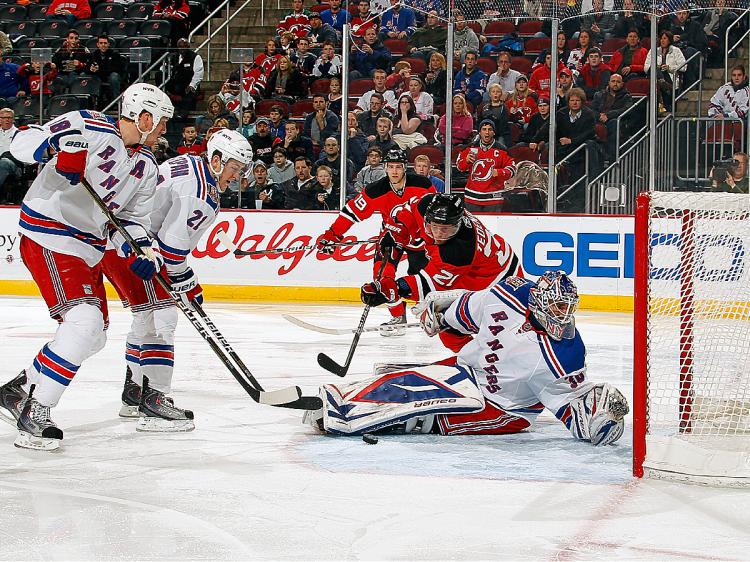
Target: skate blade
[
  {"x": 27, "y": 441},
  {"x": 313, "y": 418},
  {"x": 160, "y": 425},
  {"x": 129, "y": 411},
  {"x": 388, "y": 332}
]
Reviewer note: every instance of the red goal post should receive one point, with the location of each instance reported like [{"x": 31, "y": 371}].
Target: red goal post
[{"x": 691, "y": 368}]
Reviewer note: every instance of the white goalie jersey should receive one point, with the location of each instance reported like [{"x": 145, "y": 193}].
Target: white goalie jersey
[
  {"x": 63, "y": 217},
  {"x": 519, "y": 368},
  {"x": 185, "y": 206}
]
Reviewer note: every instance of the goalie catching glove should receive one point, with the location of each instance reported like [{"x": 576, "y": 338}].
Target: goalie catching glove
[
  {"x": 431, "y": 310},
  {"x": 186, "y": 286},
  {"x": 72, "y": 148}
]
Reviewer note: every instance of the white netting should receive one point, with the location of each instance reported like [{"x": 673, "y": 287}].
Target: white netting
[{"x": 698, "y": 385}]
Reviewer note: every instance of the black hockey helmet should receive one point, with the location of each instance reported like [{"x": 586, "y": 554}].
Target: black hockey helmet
[
  {"x": 445, "y": 209},
  {"x": 396, "y": 155}
]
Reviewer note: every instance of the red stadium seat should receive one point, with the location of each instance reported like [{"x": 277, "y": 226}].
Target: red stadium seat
[
  {"x": 519, "y": 153},
  {"x": 529, "y": 28},
  {"x": 638, "y": 86},
  {"x": 475, "y": 26},
  {"x": 320, "y": 86},
  {"x": 488, "y": 65},
  {"x": 601, "y": 132},
  {"x": 498, "y": 28},
  {"x": 300, "y": 108},
  {"x": 397, "y": 47},
  {"x": 263, "y": 107},
  {"x": 522, "y": 65},
  {"x": 360, "y": 86},
  {"x": 536, "y": 45},
  {"x": 435, "y": 155},
  {"x": 319, "y": 8},
  {"x": 612, "y": 45},
  {"x": 418, "y": 66}
]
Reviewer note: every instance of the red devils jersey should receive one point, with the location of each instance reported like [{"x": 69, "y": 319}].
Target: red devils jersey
[
  {"x": 254, "y": 82},
  {"x": 379, "y": 197},
  {"x": 492, "y": 168},
  {"x": 295, "y": 22},
  {"x": 267, "y": 62},
  {"x": 473, "y": 259}
]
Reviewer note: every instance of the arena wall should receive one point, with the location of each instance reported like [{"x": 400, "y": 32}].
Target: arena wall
[{"x": 596, "y": 250}]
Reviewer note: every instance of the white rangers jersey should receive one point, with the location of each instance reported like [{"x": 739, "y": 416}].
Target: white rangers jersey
[
  {"x": 519, "y": 367},
  {"x": 730, "y": 101},
  {"x": 63, "y": 217},
  {"x": 185, "y": 206}
]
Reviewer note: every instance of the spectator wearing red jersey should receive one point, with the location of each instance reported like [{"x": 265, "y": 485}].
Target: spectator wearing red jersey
[
  {"x": 489, "y": 167},
  {"x": 594, "y": 76},
  {"x": 69, "y": 10},
  {"x": 31, "y": 73},
  {"x": 267, "y": 60},
  {"x": 178, "y": 13},
  {"x": 364, "y": 19},
  {"x": 521, "y": 104},
  {"x": 191, "y": 144},
  {"x": 541, "y": 76},
  {"x": 297, "y": 21}
]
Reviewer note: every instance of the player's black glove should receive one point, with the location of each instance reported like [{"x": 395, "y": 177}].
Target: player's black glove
[{"x": 379, "y": 292}]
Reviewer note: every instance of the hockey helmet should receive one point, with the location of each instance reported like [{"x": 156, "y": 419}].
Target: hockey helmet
[
  {"x": 230, "y": 145},
  {"x": 395, "y": 155},
  {"x": 447, "y": 211},
  {"x": 553, "y": 302},
  {"x": 142, "y": 97}
]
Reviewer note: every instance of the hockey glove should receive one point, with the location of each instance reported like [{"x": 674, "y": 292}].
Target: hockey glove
[
  {"x": 146, "y": 265},
  {"x": 379, "y": 292},
  {"x": 431, "y": 310},
  {"x": 391, "y": 244},
  {"x": 71, "y": 148},
  {"x": 187, "y": 287},
  {"x": 327, "y": 241}
]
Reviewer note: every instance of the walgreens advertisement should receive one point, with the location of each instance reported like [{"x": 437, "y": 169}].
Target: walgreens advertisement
[{"x": 597, "y": 251}]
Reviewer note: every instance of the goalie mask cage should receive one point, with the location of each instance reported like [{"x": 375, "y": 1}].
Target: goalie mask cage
[{"x": 691, "y": 391}]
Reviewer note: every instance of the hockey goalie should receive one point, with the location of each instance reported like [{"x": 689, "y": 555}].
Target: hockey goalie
[{"x": 526, "y": 355}]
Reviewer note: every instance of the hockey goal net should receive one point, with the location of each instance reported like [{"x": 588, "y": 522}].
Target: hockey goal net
[{"x": 691, "y": 393}]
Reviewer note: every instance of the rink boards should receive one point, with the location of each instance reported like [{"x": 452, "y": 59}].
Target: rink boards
[{"x": 596, "y": 250}]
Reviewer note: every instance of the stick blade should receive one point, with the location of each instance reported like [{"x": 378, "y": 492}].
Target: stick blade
[
  {"x": 280, "y": 397},
  {"x": 331, "y": 366},
  {"x": 304, "y": 403}
]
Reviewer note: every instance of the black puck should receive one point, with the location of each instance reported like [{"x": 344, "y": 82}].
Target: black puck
[{"x": 370, "y": 439}]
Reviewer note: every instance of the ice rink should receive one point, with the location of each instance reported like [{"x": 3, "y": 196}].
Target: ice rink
[{"x": 252, "y": 482}]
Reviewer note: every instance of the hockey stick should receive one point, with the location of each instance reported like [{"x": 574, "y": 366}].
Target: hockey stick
[
  {"x": 329, "y": 364},
  {"x": 222, "y": 236},
  {"x": 286, "y": 397},
  {"x": 337, "y": 332}
]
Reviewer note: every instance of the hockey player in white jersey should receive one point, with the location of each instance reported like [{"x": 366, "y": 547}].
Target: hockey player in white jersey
[
  {"x": 64, "y": 234},
  {"x": 185, "y": 207},
  {"x": 526, "y": 355}
]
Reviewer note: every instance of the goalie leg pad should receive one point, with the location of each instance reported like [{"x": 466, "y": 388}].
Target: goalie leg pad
[
  {"x": 397, "y": 397},
  {"x": 597, "y": 416}
]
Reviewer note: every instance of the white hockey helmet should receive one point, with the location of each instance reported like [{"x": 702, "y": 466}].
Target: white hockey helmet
[
  {"x": 231, "y": 145},
  {"x": 142, "y": 97}
]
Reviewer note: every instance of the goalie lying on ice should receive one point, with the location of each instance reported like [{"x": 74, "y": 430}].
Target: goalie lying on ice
[{"x": 526, "y": 355}]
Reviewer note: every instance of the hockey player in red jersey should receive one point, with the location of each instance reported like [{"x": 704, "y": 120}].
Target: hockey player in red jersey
[
  {"x": 382, "y": 196},
  {"x": 463, "y": 254},
  {"x": 489, "y": 167},
  {"x": 63, "y": 238}
]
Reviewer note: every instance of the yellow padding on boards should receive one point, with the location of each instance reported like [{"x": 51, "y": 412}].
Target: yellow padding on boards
[{"x": 249, "y": 293}]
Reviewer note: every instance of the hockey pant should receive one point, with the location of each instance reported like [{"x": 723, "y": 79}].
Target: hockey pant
[
  {"x": 417, "y": 260},
  {"x": 149, "y": 348},
  {"x": 74, "y": 294}
]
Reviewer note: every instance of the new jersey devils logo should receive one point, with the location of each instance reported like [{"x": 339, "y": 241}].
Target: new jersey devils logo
[{"x": 482, "y": 170}]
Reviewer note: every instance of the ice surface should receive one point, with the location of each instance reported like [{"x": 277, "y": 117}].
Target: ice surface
[{"x": 251, "y": 482}]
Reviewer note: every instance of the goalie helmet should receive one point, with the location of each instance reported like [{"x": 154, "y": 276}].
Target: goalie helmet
[
  {"x": 230, "y": 145},
  {"x": 446, "y": 210},
  {"x": 142, "y": 97},
  {"x": 553, "y": 302}
]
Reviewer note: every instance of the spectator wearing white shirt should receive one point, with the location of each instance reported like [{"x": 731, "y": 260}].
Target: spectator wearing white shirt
[
  {"x": 505, "y": 76},
  {"x": 389, "y": 97},
  {"x": 9, "y": 166},
  {"x": 731, "y": 99}
]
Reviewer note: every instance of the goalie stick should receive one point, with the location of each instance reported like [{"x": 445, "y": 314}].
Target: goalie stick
[
  {"x": 329, "y": 364},
  {"x": 337, "y": 331},
  {"x": 290, "y": 397},
  {"x": 224, "y": 238}
]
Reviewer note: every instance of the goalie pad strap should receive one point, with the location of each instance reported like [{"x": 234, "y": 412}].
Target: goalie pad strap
[{"x": 396, "y": 397}]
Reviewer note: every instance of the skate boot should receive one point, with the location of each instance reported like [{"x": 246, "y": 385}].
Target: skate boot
[
  {"x": 396, "y": 326},
  {"x": 158, "y": 413},
  {"x": 12, "y": 396},
  {"x": 36, "y": 430},
  {"x": 131, "y": 397}
]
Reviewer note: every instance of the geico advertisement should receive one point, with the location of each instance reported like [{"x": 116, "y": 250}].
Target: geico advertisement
[{"x": 597, "y": 251}]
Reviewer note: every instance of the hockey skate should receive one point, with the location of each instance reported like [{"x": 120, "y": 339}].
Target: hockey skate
[
  {"x": 12, "y": 396},
  {"x": 396, "y": 326},
  {"x": 131, "y": 397},
  {"x": 36, "y": 430},
  {"x": 157, "y": 413}
]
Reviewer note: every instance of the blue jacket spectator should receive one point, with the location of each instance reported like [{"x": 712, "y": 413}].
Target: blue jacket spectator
[
  {"x": 398, "y": 23},
  {"x": 321, "y": 123},
  {"x": 335, "y": 16},
  {"x": 471, "y": 81},
  {"x": 369, "y": 56},
  {"x": 10, "y": 81},
  {"x": 320, "y": 33}
]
